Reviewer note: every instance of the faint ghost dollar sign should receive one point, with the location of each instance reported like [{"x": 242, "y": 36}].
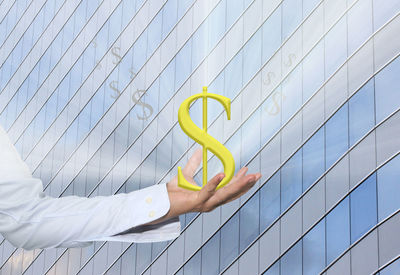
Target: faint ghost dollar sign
[
  {"x": 136, "y": 98},
  {"x": 291, "y": 59},
  {"x": 268, "y": 80},
  {"x": 275, "y": 109},
  {"x": 115, "y": 52},
  {"x": 114, "y": 86}
]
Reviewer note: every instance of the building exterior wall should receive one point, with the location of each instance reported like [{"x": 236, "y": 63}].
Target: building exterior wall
[{"x": 89, "y": 94}]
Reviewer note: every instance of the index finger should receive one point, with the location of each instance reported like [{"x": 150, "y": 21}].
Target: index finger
[{"x": 193, "y": 163}]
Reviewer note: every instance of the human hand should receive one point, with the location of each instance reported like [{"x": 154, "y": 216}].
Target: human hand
[{"x": 208, "y": 198}]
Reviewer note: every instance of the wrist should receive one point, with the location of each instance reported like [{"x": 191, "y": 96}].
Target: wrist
[{"x": 181, "y": 201}]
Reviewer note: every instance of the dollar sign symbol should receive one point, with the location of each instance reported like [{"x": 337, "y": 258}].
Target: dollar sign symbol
[
  {"x": 269, "y": 76},
  {"x": 144, "y": 105},
  {"x": 115, "y": 51},
  {"x": 207, "y": 141},
  {"x": 292, "y": 56},
  {"x": 276, "y": 104},
  {"x": 114, "y": 85}
]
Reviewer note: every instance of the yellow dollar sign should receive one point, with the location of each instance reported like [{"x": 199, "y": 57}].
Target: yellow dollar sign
[{"x": 207, "y": 141}]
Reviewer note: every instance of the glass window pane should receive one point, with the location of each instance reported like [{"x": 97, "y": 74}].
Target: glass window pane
[
  {"x": 359, "y": 24},
  {"x": 362, "y": 159},
  {"x": 313, "y": 71},
  {"x": 291, "y": 262},
  {"x": 337, "y": 230},
  {"x": 361, "y": 112},
  {"x": 392, "y": 269},
  {"x": 383, "y": 11},
  {"x": 270, "y": 201},
  {"x": 194, "y": 234},
  {"x": 292, "y": 15},
  {"x": 199, "y": 44},
  {"x": 192, "y": 267},
  {"x": 251, "y": 136},
  {"x": 335, "y": 47},
  {"x": 387, "y": 139},
  {"x": 387, "y": 90},
  {"x": 183, "y": 64},
  {"x": 314, "y": 250},
  {"x": 170, "y": 13},
  {"x": 342, "y": 266},
  {"x": 167, "y": 83},
  {"x": 154, "y": 34},
  {"x": 229, "y": 241},
  {"x": 389, "y": 239},
  {"x": 249, "y": 221},
  {"x": 314, "y": 204},
  {"x": 363, "y": 208},
  {"x": 313, "y": 158},
  {"x": 388, "y": 188},
  {"x": 308, "y": 6},
  {"x": 364, "y": 256},
  {"x": 313, "y": 114},
  {"x": 234, "y": 9},
  {"x": 252, "y": 56},
  {"x": 336, "y": 135},
  {"x": 337, "y": 182},
  {"x": 271, "y": 34},
  {"x": 273, "y": 270},
  {"x": 233, "y": 76},
  {"x": 139, "y": 51},
  {"x": 217, "y": 24},
  {"x": 291, "y": 94},
  {"x": 336, "y": 91},
  {"x": 271, "y": 115},
  {"x": 143, "y": 256},
  {"x": 291, "y": 226},
  {"x": 269, "y": 246},
  {"x": 248, "y": 262},
  {"x": 209, "y": 256},
  {"x": 183, "y": 5},
  {"x": 291, "y": 180},
  {"x": 158, "y": 267}
]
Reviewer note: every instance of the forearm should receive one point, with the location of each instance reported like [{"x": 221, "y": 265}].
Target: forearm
[{"x": 31, "y": 220}]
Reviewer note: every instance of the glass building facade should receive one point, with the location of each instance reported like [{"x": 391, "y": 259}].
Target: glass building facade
[{"x": 89, "y": 94}]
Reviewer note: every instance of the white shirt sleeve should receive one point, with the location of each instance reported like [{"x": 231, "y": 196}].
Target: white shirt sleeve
[{"x": 30, "y": 219}]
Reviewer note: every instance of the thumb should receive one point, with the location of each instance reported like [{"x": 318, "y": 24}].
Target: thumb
[{"x": 209, "y": 189}]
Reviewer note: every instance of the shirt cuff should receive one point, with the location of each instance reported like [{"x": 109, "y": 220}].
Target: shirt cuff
[{"x": 146, "y": 205}]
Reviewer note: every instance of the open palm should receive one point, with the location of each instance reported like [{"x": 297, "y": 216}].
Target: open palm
[{"x": 208, "y": 198}]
